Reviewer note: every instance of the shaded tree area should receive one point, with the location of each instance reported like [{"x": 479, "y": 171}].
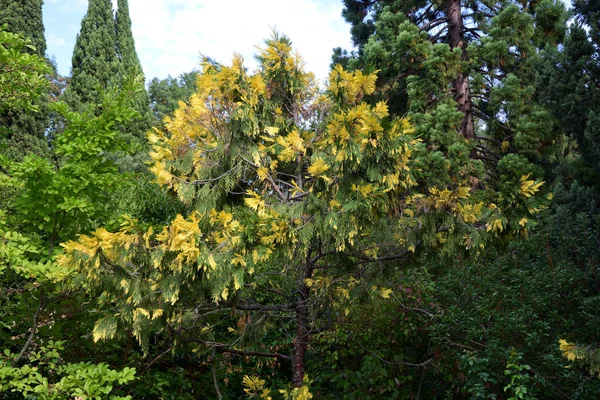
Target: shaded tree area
[
  {"x": 166, "y": 94},
  {"x": 425, "y": 226}
]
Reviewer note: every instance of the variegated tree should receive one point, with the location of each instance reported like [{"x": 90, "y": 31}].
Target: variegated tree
[{"x": 294, "y": 193}]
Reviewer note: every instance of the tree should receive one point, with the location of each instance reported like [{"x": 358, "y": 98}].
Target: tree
[
  {"x": 44, "y": 203},
  {"x": 296, "y": 197},
  {"x": 25, "y": 17},
  {"x": 166, "y": 94},
  {"x": 22, "y": 130},
  {"x": 23, "y": 109},
  {"x": 95, "y": 63},
  {"x": 130, "y": 64},
  {"x": 466, "y": 68}
]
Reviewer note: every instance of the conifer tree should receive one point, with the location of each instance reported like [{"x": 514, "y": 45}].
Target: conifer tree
[
  {"x": 104, "y": 55},
  {"x": 130, "y": 64},
  {"x": 95, "y": 60},
  {"x": 464, "y": 72},
  {"x": 23, "y": 131},
  {"x": 25, "y": 17}
]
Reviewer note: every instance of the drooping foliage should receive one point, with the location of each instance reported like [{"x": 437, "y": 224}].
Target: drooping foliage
[{"x": 282, "y": 180}]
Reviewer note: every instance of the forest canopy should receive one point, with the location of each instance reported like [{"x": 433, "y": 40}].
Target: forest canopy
[{"x": 423, "y": 225}]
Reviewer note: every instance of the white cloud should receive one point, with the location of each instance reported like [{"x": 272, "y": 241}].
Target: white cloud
[
  {"x": 71, "y": 5},
  {"x": 55, "y": 41},
  {"x": 170, "y": 34}
]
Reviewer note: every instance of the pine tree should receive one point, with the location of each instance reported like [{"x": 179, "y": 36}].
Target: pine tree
[
  {"x": 130, "y": 64},
  {"x": 23, "y": 131},
  {"x": 464, "y": 72},
  {"x": 95, "y": 60}
]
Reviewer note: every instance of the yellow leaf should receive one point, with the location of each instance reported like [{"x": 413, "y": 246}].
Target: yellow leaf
[
  {"x": 318, "y": 167},
  {"x": 529, "y": 187},
  {"x": 263, "y": 173},
  {"x": 523, "y": 221},
  {"x": 157, "y": 313},
  {"x": 385, "y": 293},
  {"x": 272, "y": 130},
  {"x": 212, "y": 262}
]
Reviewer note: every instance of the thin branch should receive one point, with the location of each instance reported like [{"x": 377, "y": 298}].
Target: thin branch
[
  {"x": 156, "y": 359},
  {"x": 421, "y": 365},
  {"x": 214, "y": 375},
  {"x": 34, "y": 326},
  {"x": 226, "y": 349}
]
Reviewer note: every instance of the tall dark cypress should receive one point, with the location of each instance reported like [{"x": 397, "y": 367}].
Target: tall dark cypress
[
  {"x": 23, "y": 132},
  {"x": 130, "y": 64},
  {"x": 25, "y": 17},
  {"x": 95, "y": 63}
]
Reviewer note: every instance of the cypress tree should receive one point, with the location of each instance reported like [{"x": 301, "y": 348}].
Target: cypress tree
[
  {"x": 25, "y": 17},
  {"x": 95, "y": 63},
  {"x": 104, "y": 56},
  {"x": 23, "y": 132},
  {"x": 130, "y": 64}
]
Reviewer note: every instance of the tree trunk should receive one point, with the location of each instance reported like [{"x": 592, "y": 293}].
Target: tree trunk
[
  {"x": 461, "y": 82},
  {"x": 302, "y": 324}
]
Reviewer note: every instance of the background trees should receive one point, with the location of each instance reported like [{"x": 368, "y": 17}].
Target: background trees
[
  {"x": 23, "y": 127},
  {"x": 315, "y": 240},
  {"x": 103, "y": 57}
]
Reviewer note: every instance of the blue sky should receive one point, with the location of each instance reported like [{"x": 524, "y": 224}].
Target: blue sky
[{"x": 170, "y": 34}]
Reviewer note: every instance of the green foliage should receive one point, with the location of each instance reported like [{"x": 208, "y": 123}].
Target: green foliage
[
  {"x": 104, "y": 57},
  {"x": 130, "y": 64},
  {"x": 22, "y": 75},
  {"x": 95, "y": 63},
  {"x": 166, "y": 94},
  {"x": 25, "y": 17},
  {"x": 48, "y": 377},
  {"x": 24, "y": 114},
  {"x": 462, "y": 80},
  {"x": 65, "y": 199},
  {"x": 517, "y": 373}
]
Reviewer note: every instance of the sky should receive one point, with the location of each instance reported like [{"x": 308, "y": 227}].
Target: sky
[{"x": 171, "y": 34}]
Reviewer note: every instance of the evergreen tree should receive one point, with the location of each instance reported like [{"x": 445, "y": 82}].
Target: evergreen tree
[
  {"x": 25, "y": 17},
  {"x": 22, "y": 131},
  {"x": 130, "y": 64},
  {"x": 95, "y": 61},
  {"x": 165, "y": 94},
  {"x": 464, "y": 72}
]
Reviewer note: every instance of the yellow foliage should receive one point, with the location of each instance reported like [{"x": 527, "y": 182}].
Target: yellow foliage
[
  {"x": 351, "y": 86},
  {"x": 529, "y": 187},
  {"x": 318, "y": 167},
  {"x": 254, "y": 201},
  {"x": 495, "y": 225},
  {"x": 568, "y": 350},
  {"x": 385, "y": 293}
]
